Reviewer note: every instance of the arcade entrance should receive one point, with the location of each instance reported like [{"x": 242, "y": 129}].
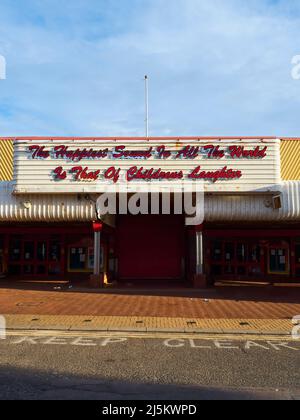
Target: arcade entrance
[
  {"x": 266, "y": 255},
  {"x": 151, "y": 247}
]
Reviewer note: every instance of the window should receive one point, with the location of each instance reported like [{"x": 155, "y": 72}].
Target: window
[
  {"x": 54, "y": 251},
  {"x": 229, "y": 251},
  {"x": 15, "y": 248},
  {"x": 2, "y": 262},
  {"x": 241, "y": 257},
  {"x": 28, "y": 251},
  {"x": 40, "y": 256},
  {"x": 278, "y": 260},
  {"x": 297, "y": 259},
  {"x": 42, "y": 251},
  {"x": 297, "y": 253},
  {"x": 254, "y": 254},
  {"x": 242, "y": 253},
  {"x": 217, "y": 251},
  {"x": 81, "y": 259}
]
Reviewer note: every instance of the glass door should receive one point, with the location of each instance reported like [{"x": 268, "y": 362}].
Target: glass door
[
  {"x": 42, "y": 258},
  {"x": 255, "y": 264},
  {"x": 242, "y": 258},
  {"x": 229, "y": 258},
  {"x": 35, "y": 258},
  {"x": 29, "y": 258},
  {"x": 2, "y": 257},
  {"x": 216, "y": 257},
  {"x": 279, "y": 259},
  {"x": 297, "y": 259},
  {"x": 55, "y": 258},
  {"x": 15, "y": 256},
  {"x": 237, "y": 259}
]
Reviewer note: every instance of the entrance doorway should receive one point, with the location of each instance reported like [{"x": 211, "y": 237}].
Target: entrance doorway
[
  {"x": 150, "y": 247},
  {"x": 236, "y": 259},
  {"x": 2, "y": 259},
  {"x": 279, "y": 258},
  {"x": 35, "y": 257},
  {"x": 297, "y": 259},
  {"x": 253, "y": 259}
]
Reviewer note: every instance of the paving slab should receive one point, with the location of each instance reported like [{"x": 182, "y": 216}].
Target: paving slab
[{"x": 139, "y": 324}]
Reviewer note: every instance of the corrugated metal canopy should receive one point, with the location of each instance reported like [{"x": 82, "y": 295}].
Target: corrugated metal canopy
[
  {"x": 47, "y": 208},
  {"x": 221, "y": 208}
]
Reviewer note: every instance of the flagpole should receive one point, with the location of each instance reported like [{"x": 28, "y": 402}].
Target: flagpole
[{"x": 146, "y": 106}]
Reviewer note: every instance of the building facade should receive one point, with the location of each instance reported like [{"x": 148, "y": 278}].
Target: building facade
[{"x": 53, "y": 227}]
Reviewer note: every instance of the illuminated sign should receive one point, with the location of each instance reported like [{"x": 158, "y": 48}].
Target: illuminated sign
[
  {"x": 89, "y": 166},
  {"x": 84, "y": 173}
]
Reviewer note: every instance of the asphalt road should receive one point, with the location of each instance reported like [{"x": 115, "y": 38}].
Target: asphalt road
[{"x": 112, "y": 367}]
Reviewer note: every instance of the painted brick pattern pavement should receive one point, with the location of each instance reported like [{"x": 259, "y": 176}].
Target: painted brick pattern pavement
[{"x": 221, "y": 304}]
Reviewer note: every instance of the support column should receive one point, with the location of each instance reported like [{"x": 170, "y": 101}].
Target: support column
[
  {"x": 199, "y": 278},
  {"x": 199, "y": 253},
  {"x": 97, "y": 253},
  {"x": 96, "y": 279}
]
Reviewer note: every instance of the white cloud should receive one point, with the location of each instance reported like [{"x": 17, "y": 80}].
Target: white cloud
[
  {"x": 216, "y": 68},
  {"x": 2, "y": 68}
]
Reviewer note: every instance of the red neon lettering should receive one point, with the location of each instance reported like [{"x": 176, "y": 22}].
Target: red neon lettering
[
  {"x": 224, "y": 173},
  {"x": 214, "y": 152},
  {"x": 38, "y": 152},
  {"x": 121, "y": 153},
  {"x": 151, "y": 174},
  {"x": 59, "y": 174},
  {"x": 188, "y": 152},
  {"x": 240, "y": 152},
  {"x": 112, "y": 174},
  {"x": 84, "y": 174},
  {"x": 163, "y": 153}
]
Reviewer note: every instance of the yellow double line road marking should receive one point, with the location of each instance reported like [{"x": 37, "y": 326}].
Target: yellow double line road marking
[{"x": 147, "y": 336}]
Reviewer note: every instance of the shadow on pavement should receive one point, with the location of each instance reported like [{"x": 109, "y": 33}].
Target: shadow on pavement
[
  {"x": 27, "y": 384},
  {"x": 250, "y": 294}
]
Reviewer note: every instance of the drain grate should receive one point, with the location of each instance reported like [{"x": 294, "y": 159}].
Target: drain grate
[{"x": 29, "y": 304}]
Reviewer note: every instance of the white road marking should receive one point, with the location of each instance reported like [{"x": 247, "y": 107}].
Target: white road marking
[
  {"x": 171, "y": 341},
  {"x": 279, "y": 346},
  {"x": 116, "y": 340},
  {"x": 252, "y": 344},
  {"x": 230, "y": 345},
  {"x": 84, "y": 342},
  {"x": 227, "y": 345}
]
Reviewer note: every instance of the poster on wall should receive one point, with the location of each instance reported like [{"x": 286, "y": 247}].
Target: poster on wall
[{"x": 91, "y": 258}]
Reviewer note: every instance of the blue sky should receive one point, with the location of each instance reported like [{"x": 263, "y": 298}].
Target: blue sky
[{"x": 218, "y": 67}]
